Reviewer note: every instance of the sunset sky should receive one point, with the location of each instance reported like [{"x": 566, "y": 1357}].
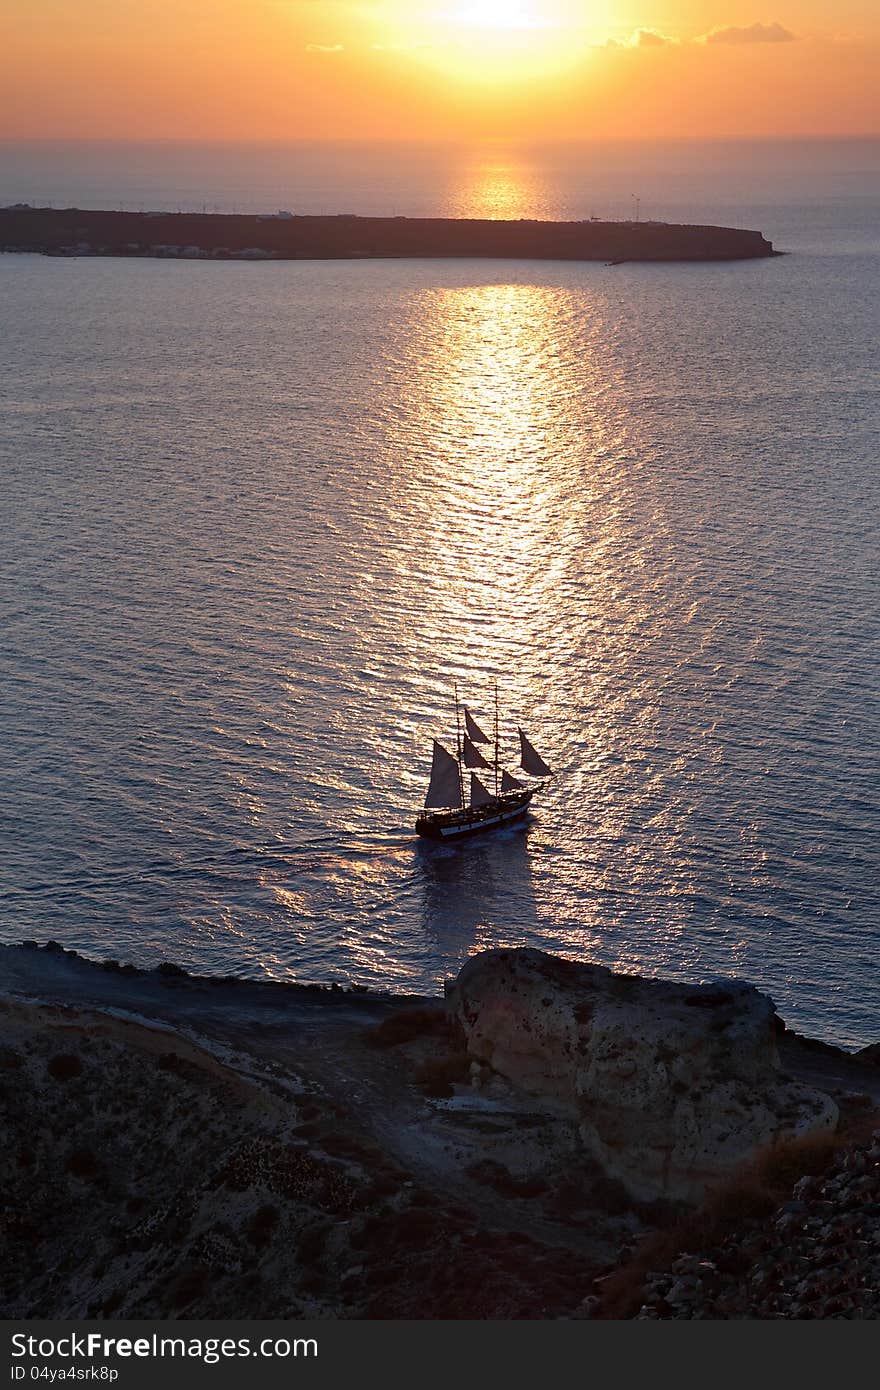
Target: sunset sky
[{"x": 438, "y": 69}]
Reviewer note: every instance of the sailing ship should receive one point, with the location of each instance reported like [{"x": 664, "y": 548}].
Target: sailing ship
[{"x": 448, "y": 813}]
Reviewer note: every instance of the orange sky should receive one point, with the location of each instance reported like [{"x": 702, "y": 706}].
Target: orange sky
[{"x": 438, "y": 69}]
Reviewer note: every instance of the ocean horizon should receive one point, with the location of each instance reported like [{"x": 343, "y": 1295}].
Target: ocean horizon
[{"x": 698, "y": 179}]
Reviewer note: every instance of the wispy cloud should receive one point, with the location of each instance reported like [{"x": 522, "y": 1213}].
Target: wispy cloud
[
  {"x": 732, "y": 34},
  {"x": 642, "y": 38},
  {"x": 324, "y": 48},
  {"x": 649, "y": 38},
  {"x": 749, "y": 33}
]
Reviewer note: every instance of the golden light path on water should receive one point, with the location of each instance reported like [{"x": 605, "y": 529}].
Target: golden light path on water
[
  {"x": 494, "y": 189},
  {"x": 501, "y": 459},
  {"x": 511, "y": 433}
]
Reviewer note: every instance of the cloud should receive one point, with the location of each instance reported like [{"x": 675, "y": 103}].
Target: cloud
[
  {"x": 324, "y": 48},
  {"x": 724, "y": 34},
  {"x": 750, "y": 33},
  {"x": 648, "y": 38},
  {"x": 641, "y": 38}
]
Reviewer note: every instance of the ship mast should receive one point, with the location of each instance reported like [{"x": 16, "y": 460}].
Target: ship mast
[{"x": 458, "y": 747}]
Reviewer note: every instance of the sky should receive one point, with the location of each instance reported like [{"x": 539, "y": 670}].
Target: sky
[{"x": 438, "y": 69}]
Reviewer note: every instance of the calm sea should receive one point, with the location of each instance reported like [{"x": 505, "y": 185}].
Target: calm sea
[{"x": 257, "y": 519}]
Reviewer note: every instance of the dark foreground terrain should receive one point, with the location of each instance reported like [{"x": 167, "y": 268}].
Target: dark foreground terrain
[
  {"x": 194, "y": 1147},
  {"x": 74, "y": 231}
]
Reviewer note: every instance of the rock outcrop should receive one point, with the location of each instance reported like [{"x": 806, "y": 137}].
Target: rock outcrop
[{"x": 672, "y": 1085}]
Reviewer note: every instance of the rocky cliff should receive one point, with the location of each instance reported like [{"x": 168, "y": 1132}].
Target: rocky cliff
[
  {"x": 671, "y": 1085},
  {"x": 182, "y": 1146}
]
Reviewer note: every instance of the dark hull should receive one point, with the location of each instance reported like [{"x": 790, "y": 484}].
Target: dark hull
[{"x": 455, "y": 825}]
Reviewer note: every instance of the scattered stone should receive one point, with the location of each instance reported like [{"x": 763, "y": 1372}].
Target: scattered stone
[{"x": 802, "y": 1268}]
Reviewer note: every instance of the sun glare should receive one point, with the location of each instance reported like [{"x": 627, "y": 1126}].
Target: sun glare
[
  {"x": 489, "y": 43},
  {"x": 497, "y": 14}
]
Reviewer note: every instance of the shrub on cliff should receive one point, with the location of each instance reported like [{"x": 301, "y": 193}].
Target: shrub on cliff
[
  {"x": 64, "y": 1066},
  {"x": 408, "y": 1024}
]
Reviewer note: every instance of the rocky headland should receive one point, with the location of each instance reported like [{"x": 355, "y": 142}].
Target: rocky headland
[
  {"x": 555, "y": 1140},
  {"x": 249, "y": 237},
  {"x": 671, "y": 1086}
]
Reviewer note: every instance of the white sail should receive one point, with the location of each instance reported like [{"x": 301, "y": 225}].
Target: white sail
[
  {"x": 472, "y": 756},
  {"x": 445, "y": 788},
  {"x": 474, "y": 732},
  {"x": 480, "y": 795},
  {"x": 510, "y": 784},
  {"x": 531, "y": 761}
]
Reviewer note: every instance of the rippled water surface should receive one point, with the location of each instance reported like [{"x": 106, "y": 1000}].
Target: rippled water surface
[{"x": 258, "y": 519}]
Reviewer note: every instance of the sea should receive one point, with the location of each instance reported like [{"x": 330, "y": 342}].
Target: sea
[{"x": 260, "y": 521}]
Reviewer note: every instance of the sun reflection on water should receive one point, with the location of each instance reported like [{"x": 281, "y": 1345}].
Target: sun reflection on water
[
  {"x": 505, "y": 408},
  {"x": 502, "y": 185},
  {"x": 507, "y": 529},
  {"x": 536, "y": 549},
  {"x": 505, "y": 495}
]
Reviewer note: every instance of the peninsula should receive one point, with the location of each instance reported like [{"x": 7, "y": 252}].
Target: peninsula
[{"x": 283, "y": 236}]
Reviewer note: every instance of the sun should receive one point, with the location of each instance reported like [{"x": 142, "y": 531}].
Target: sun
[
  {"x": 489, "y": 44},
  {"x": 497, "y": 14}
]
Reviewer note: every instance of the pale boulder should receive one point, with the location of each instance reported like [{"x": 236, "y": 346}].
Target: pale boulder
[{"x": 672, "y": 1085}]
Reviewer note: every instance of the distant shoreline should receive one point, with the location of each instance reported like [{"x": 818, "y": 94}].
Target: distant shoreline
[
  {"x": 47, "y": 969},
  {"x": 283, "y": 236}
]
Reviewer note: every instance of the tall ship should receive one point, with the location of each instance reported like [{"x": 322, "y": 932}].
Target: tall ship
[{"x": 459, "y": 802}]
